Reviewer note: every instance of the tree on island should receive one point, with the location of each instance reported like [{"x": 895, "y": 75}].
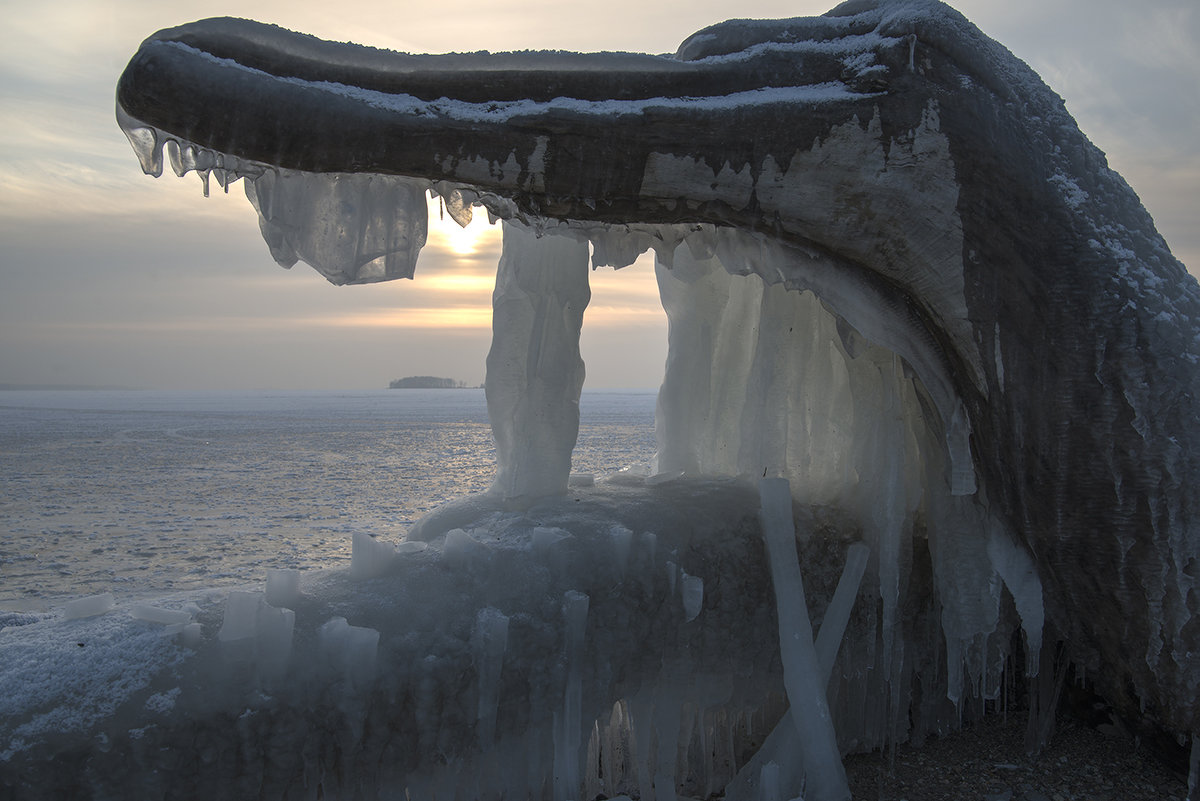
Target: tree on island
[{"x": 426, "y": 382}]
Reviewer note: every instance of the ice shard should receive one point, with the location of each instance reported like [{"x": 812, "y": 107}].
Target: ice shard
[{"x": 803, "y": 676}]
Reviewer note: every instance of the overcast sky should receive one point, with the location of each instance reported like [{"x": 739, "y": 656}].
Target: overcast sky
[{"x": 110, "y": 277}]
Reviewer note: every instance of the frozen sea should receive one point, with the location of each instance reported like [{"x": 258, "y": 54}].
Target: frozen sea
[{"x": 140, "y": 493}]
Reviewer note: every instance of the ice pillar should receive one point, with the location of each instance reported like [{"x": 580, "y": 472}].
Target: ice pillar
[{"x": 534, "y": 371}]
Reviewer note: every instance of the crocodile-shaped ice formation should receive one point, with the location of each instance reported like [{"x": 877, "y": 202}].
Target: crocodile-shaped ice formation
[{"x": 977, "y": 276}]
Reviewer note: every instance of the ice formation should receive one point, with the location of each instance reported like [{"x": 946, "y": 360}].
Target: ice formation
[{"x": 900, "y": 283}]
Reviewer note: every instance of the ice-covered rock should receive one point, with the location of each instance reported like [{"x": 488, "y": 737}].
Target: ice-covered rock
[{"x": 897, "y": 275}]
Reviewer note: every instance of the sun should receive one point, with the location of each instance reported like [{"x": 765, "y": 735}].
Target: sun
[{"x": 447, "y": 235}]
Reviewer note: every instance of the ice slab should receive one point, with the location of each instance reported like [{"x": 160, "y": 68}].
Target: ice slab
[
  {"x": 283, "y": 586},
  {"x": 90, "y": 606},
  {"x": 369, "y": 557},
  {"x": 156, "y": 614}
]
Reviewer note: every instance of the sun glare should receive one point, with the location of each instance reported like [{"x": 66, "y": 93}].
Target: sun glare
[
  {"x": 459, "y": 317},
  {"x": 460, "y": 284},
  {"x": 447, "y": 235}
]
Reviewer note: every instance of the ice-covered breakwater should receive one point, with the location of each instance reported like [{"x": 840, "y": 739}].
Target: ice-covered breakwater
[{"x": 897, "y": 276}]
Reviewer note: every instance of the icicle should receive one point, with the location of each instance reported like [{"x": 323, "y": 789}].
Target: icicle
[
  {"x": 568, "y": 723},
  {"x": 668, "y": 708},
  {"x": 837, "y": 614},
  {"x": 958, "y": 445},
  {"x": 641, "y": 708},
  {"x": 692, "y": 590},
  {"x": 1194, "y": 771},
  {"x": 458, "y": 206},
  {"x": 491, "y": 641},
  {"x": 768, "y": 783},
  {"x": 622, "y": 541},
  {"x": 1017, "y": 570},
  {"x": 146, "y": 141}
]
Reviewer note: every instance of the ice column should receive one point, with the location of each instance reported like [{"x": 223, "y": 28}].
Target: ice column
[
  {"x": 802, "y": 675},
  {"x": 534, "y": 371}
]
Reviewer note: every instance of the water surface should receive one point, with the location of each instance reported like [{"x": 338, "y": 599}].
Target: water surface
[{"x": 139, "y": 493}]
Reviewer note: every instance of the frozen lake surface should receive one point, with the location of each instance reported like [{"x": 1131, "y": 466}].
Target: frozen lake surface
[{"x": 139, "y": 493}]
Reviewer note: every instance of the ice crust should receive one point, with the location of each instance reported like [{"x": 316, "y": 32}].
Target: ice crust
[{"x": 496, "y": 662}]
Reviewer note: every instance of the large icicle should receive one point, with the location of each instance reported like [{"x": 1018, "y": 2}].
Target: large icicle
[
  {"x": 353, "y": 228},
  {"x": 1019, "y": 573},
  {"x": 534, "y": 371}
]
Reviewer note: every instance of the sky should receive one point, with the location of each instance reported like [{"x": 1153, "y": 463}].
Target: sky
[{"x": 109, "y": 277}]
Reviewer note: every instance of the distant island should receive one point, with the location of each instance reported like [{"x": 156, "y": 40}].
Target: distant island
[
  {"x": 64, "y": 388},
  {"x": 426, "y": 382}
]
